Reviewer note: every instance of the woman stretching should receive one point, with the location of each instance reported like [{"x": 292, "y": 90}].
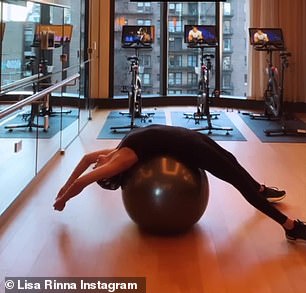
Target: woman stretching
[{"x": 190, "y": 147}]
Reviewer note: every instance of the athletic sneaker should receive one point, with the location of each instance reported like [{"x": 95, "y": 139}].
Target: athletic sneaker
[
  {"x": 273, "y": 194},
  {"x": 298, "y": 233}
]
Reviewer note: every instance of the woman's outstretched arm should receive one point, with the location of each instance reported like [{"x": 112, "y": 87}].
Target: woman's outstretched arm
[
  {"x": 120, "y": 160},
  {"x": 83, "y": 165}
]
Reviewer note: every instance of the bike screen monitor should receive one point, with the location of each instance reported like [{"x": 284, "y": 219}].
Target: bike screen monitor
[
  {"x": 136, "y": 34},
  {"x": 50, "y": 36},
  {"x": 200, "y": 34},
  {"x": 266, "y": 36}
]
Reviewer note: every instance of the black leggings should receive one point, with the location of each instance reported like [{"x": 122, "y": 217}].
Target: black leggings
[{"x": 225, "y": 166}]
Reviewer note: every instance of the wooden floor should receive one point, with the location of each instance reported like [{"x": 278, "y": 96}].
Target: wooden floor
[{"x": 232, "y": 249}]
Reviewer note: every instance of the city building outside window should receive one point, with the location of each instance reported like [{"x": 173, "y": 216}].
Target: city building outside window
[
  {"x": 227, "y": 63},
  {"x": 192, "y": 60},
  {"x": 144, "y": 22},
  {"x": 175, "y": 26},
  {"x": 181, "y": 60},
  {"x": 143, "y": 6},
  {"x": 235, "y": 45},
  {"x": 227, "y": 8},
  {"x": 145, "y": 60},
  {"x": 145, "y": 78},
  {"x": 193, "y": 9},
  {"x": 136, "y": 13},
  {"x": 227, "y": 28},
  {"x": 226, "y": 81},
  {"x": 175, "y": 92},
  {"x": 175, "y": 78},
  {"x": 189, "y": 13},
  {"x": 175, "y": 7},
  {"x": 227, "y": 44},
  {"x": 175, "y": 60},
  {"x": 192, "y": 79}
]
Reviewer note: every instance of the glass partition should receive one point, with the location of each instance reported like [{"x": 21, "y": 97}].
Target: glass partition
[
  {"x": 17, "y": 168},
  {"x": 42, "y": 45},
  {"x": 17, "y": 27},
  {"x": 84, "y": 105}
]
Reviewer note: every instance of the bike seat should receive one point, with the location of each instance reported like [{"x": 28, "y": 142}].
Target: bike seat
[{"x": 133, "y": 59}]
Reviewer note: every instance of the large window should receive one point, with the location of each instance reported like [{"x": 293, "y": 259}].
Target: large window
[
  {"x": 192, "y": 79},
  {"x": 192, "y": 60},
  {"x": 187, "y": 13},
  {"x": 175, "y": 26},
  {"x": 175, "y": 78},
  {"x": 144, "y": 7},
  {"x": 234, "y": 60},
  {"x": 175, "y": 60},
  {"x": 229, "y": 67},
  {"x": 141, "y": 14},
  {"x": 141, "y": 21}
]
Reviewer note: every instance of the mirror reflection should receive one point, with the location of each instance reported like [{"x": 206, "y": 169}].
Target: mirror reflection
[{"x": 43, "y": 99}]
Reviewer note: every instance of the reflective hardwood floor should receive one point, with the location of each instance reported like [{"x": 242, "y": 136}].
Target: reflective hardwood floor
[{"x": 232, "y": 249}]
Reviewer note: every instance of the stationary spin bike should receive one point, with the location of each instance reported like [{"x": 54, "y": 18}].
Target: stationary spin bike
[
  {"x": 274, "y": 92},
  {"x": 135, "y": 101},
  {"x": 31, "y": 118},
  {"x": 134, "y": 93},
  {"x": 204, "y": 96},
  {"x": 203, "y": 88},
  {"x": 201, "y": 37},
  {"x": 274, "y": 98}
]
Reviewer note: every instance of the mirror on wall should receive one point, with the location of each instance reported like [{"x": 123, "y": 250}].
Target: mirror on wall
[{"x": 42, "y": 45}]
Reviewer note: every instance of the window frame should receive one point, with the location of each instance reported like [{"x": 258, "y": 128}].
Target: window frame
[{"x": 165, "y": 44}]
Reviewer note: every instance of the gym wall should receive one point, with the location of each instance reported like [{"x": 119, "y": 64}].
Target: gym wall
[{"x": 99, "y": 35}]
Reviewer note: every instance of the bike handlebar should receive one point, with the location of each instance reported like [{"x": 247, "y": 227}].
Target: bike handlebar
[
  {"x": 205, "y": 56},
  {"x": 269, "y": 47},
  {"x": 133, "y": 58}
]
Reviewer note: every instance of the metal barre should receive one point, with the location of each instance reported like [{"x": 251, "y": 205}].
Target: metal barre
[
  {"x": 22, "y": 82},
  {"x": 81, "y": 65},
  {"x": 39, "y": 77},
  {"x": 37, "y": 96}
]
